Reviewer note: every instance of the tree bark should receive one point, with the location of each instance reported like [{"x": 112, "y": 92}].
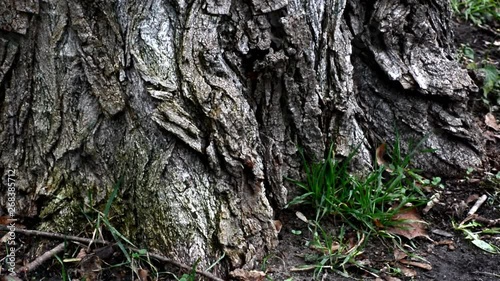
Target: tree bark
[{"x": 200, "y": 106}]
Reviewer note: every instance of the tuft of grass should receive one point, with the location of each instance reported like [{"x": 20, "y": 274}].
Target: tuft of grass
[
  {"x": 487, "y": 72},
  {"x": 366, "y": 205},
  {"x": 477, "y": 11}
]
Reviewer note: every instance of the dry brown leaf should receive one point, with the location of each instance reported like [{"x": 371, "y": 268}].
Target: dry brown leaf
[
  {"x": 399, "y": 255},
  {"x": 81, "y": 254},
  {"x": 407, "y": 272},
  {"x": 6, "y": 220},
  {"x": 472, "y": 198},
  {"x": 143, "y": 274},
  {"x": 422, "y": 265},
  {"x": 410, "y": 226},
  {"x": 391, "y": 278},
  {"x": 380, "y": 152},
  {"x": 426, "y": 188},
  {"x": 301, "y": 217},
  {"x": 490, "y": 121},
  {"x": 245, "y": 275},
  {"x": 5, "y": 238},
  {"x": 445, "y": 242},
  {"x": 278, "y": 225},
  {"x": 335, "y": 247}
]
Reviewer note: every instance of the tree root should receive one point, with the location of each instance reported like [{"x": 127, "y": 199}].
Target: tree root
[{"x": 38, "y": 261}]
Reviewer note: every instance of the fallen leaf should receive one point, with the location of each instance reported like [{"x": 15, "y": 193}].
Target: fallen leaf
[
  {"x": 426, "y": 187},
  {"x": 378, "y": 224},
  {"x": 442, "y": 233},
  {"x": 422, "y": 265},
  {"x": 5, "y": 238},
  {"x": 445, "y": 242},
  {"x": 301, "y": 217},
  {"x": 245, "y": 275},
  {"x": 143, "y": 274},
  {"x": 407, "y": 272},
  {"x": 6, "y": 220},
  {"x": 410, "y": 226},
  {"x": 278, "y": 225},
  {"x": 379, "y": 154},
  {"x": 335, "y": 247},
  {"x": 390, "y": 278},
  {"x": 399, "y": 255},
  {"x": 490, "y": 121},
  {"x": 472, "y": 198},
  {"x": 81, "y": 254}
]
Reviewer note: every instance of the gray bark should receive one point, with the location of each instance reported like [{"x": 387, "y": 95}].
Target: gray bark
[{"x": 200, "y": 106}]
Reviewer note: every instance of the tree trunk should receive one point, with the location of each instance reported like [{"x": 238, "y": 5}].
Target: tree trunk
[{"x": 200, "y": 106}]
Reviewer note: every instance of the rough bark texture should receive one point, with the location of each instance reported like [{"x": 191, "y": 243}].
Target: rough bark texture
[{"x": 200, "y": 106}]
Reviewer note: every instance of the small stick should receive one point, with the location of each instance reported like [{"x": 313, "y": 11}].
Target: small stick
[
  {"x": 486, "y": 273},
  {"x": 478, "y": 204},
  {"x": 41, "y": 259},
  {"x": 87, "y": 240},
  {"x": 481, "y": 219},
  {"x": 433, "y": 201},
  {"x": 55, "y": 235},
  {"x": 181, "y": 265}
]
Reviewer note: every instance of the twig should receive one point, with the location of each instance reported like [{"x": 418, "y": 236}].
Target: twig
[
  {"x": 41, "y": 259},
  {"x": 478, "y": 204},
  {"x": 56, "y": 235},
  {"x": 433, "y": 201},
  {"x": 478, "y": 218},
  {"x": 486, "y": 273},
  {"x": 181, "y": 265},
  {"x": 99, "y": 241}
]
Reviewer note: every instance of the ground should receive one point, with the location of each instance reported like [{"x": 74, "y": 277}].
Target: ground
[{"x": 445, "y": 255}]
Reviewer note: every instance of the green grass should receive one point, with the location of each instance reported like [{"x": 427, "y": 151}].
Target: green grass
[
  {"x": 367, "y": 205},
  {"x": 368, "y": 202},
  {"x": 489, "y": 73},
  {"x": 477, "y": 11}
]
